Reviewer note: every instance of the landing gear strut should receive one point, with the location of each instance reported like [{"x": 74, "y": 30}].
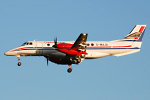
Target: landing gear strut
[
  {"x": 69, "y": 69},
  {"x": 19, "y": 62}
]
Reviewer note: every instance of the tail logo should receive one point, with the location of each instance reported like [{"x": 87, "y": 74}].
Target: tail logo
[{"x": 135, "y": 35}]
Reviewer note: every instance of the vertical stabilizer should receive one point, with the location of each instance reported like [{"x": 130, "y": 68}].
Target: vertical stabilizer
[
  {"x": 136, "y": 34},
  {"x": 134, "y": 39}
]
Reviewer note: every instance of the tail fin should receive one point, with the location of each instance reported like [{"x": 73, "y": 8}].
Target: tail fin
[
  {"x": 134, "y": 39},
  {"x": 136, "y": 34}
]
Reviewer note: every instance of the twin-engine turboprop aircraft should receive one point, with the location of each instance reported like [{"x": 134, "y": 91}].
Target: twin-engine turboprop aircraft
[{"x": 70, "y": 52}]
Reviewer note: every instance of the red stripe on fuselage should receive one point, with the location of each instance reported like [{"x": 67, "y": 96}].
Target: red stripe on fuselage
[
  {"x": 30, "y": 48},
  {"x": 87, "y": 47},
  {"x": 109, "y": 46}
]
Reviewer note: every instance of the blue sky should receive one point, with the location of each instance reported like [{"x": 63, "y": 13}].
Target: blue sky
[{"x": 109, "y": 78}]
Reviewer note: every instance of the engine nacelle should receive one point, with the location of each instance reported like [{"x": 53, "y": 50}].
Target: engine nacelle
[
  {"x": 58, "y": 54},
  {"x": 60, "y": 61},
  {"x": 65, "y": 60}
]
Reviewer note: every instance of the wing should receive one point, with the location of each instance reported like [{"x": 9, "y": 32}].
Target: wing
[
  {"x": 78, "y": 50},
  {"x": 80, "y": 43}
]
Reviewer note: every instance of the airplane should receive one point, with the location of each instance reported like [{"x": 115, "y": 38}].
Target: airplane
[{"x": 74, "y": 52}]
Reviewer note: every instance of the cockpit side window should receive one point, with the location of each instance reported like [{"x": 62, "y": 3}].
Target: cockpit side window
[{"x": 27, "y": 43}]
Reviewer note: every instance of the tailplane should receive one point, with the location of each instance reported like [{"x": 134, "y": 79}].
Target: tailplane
[{"x": 134, "y": 39}]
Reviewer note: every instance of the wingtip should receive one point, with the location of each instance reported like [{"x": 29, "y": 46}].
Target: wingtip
[{"x": 84, "y": 33}]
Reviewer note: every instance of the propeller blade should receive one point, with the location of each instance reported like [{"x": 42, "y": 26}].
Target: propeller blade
[
  {"x": 55, "y": 43},
  {"x": 56, "y": 39},
  {"x": 47, "y": 61}
]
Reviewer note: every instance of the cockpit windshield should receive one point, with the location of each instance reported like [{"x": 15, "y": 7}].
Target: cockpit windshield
[
  {"x": 24, "y": 44},
  {"x": 27, "y": 43}
]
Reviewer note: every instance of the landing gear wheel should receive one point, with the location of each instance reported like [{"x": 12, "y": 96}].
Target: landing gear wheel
[
  {"x": 19, "y": 63},
  {"x": 69, "y": 70}
]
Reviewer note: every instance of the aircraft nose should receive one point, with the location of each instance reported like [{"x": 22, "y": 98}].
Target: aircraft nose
[
  {"x": 10, "y": 53},
  {"x": 6, "y": 53}
]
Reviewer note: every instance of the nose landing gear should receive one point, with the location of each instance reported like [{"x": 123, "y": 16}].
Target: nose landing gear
[{"x": 19, "y": 62}]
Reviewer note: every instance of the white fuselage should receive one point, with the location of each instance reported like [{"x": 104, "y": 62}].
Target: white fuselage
[{"x": 95, "y": 49}]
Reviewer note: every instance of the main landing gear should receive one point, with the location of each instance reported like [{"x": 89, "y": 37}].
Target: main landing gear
[
  {"x": 69, "y": 69},
  {"x": 19, "y": 62}
]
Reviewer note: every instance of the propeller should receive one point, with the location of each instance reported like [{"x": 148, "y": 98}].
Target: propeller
[
  {"x": 55, "y": 43},
  {"x": 47, "y": 61}
]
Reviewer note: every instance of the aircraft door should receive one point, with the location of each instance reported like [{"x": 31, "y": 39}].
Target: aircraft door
[{"x": 39, "y": 48}]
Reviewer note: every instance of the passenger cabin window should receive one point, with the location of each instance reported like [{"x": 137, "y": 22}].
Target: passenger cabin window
[
  {"x": 48, "y": 44},
  {"x": 92, "y": 44},
  {"x": 30, "y": 43},
  {"x": 88, "y": 44}
]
